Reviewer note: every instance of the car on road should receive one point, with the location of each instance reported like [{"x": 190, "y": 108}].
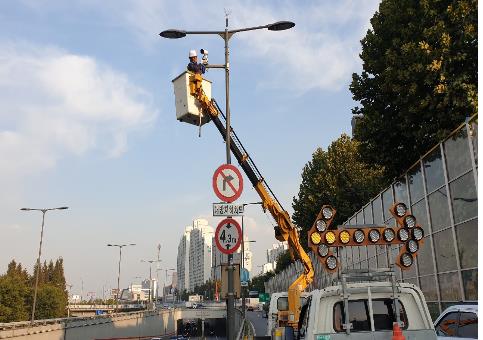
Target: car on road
[
  {"x": 457, "y": 322},
  {"x": 250, "y": 308}
]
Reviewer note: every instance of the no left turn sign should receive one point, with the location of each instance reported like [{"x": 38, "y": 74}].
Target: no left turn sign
[
  {"x": 227, "y": 183},
  {"x": 228, "y": 236}
]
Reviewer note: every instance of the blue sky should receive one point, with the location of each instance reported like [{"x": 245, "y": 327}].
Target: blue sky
[{"x": 88, "y": 120}]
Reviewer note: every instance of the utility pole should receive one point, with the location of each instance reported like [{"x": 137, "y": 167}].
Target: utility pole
[{"x": 157, "y": 273}]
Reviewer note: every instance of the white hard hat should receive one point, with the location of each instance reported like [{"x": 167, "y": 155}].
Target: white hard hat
[{"x": 192, "y": 53}]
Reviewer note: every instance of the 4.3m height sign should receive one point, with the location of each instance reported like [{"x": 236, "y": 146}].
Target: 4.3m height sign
[{"x": 228, "y": 236}]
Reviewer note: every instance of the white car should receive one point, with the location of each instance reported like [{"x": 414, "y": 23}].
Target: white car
[{"x": 457, "y": 322}]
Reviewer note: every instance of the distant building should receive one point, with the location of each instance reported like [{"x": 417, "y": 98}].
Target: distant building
[
  {"x": 200, "y": 254},
  {"x": 194, "y": 256},
  {"x": 272, "y": 256},
  {"x": 147, "y": 287},
  {"x": 174, "y": 280},
  {"x": 114, "y": 293},
  {"x": 268, "y": 267},
  {"x": 75, "y": 298},
  {"x": 182, "y": 262}
]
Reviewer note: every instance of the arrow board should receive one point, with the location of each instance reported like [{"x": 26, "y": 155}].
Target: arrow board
[
  {"x": 228, "y": 236},
  {"x": 227, "y": 183}
]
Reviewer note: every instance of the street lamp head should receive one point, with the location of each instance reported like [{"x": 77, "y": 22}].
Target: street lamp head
[
  {"x": 173, "y": 34},
  {"x": 25, "y": 209},
  {"x": 110, "y": 245},
  {"x": 62, "y": 208},
  {"x": 281, "y": 26}
]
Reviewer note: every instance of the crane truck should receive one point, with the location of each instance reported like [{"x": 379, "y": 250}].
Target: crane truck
[{"x": 323, "y": 314}]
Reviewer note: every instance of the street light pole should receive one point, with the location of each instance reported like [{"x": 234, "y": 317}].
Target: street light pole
[
  {"x": 32, "y": 319},
  {"x": 164, "y": 283},
  {"x": 120, "y": 246},
  {"x": 151, "y": 295},
  {"x": 226, "y": 35}
]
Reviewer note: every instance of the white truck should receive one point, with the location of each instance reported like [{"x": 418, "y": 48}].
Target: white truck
[
  {"x": 359, "y": 310},
  {"x": 194, "y": 301}
]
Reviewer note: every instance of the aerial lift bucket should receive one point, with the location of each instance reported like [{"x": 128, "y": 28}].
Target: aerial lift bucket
[{"x": 189, "y": 109}]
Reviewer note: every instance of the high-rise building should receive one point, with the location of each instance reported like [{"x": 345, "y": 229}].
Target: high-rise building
[
  {"x": 182, "y": 263},
  {"x": 200, "y": 253},
  {"x": 273, "y": 254},
  {"x": 194, "y": 256}
]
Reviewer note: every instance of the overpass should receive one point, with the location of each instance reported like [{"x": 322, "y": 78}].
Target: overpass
[
  {"x": 91, "y": 310},
  {"x": 131, "y": 325}
]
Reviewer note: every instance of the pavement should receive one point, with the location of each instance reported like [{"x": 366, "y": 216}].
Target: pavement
[{"x": 259, "y": 323}]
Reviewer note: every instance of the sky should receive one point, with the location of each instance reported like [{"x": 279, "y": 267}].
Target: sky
[{"x": 87, "y": 120}]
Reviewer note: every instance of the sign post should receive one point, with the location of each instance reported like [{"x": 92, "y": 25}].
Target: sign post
[{"x": 228, "y": 186}]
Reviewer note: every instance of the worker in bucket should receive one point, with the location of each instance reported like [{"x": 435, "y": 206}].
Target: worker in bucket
[{"x": 193, "y": 65}]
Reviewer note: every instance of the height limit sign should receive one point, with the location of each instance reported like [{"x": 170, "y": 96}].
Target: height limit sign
[
  {"x": 228, "y": 236},
  {"x": 227, "y": 183}
]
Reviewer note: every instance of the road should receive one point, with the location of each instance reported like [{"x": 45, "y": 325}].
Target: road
[{"x": 258, "y": 322}]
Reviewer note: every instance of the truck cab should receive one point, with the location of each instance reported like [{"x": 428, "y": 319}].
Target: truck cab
[
  {"x": 279, "y": 303},
  {"x": 365, "y": 305},
  {"x": 370, "y": 312}
]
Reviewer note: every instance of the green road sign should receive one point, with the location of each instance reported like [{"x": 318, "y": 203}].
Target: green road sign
[{"x": 263, "y": 297}]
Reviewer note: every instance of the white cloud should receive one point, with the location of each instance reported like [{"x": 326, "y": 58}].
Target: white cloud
[
  {"x": 55, "y": 103},
  {"x": 320, "y": 53}
]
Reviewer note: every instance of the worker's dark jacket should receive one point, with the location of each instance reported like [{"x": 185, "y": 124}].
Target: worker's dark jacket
[{"x": 196, "y": 68}]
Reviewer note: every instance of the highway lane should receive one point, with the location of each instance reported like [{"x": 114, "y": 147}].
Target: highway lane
[{"x": 259, "y": 323}]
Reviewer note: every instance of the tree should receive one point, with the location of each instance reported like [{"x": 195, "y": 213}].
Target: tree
[
  {"x": 14, "y": 298},
  {"x": 337, "y": 177},
  {"x": 283, "y": 261},
  {"x": 207, "y": 290},
  {"x": 51, "y": 302},
  {"x": 17, "y": 290},
  {"x": 258, "y": 282},
  {"x": 419, "y": 79},
  {"x": 184, "y": 295}
]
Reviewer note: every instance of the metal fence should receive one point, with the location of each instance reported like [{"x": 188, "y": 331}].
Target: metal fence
[{"x": 441, "y": 191}]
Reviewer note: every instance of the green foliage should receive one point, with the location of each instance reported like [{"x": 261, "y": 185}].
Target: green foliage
[
  {"x": 184, "y": 295},
  {"x": 51, "y": 302},
  {"x": 419, "y": 79},
  {"x": 207, "y": 290},
  {"x": 337, "y": 177},
  {"x": 17, "y": 291},
  {"x": 14, "y": 294},
  {"x": 258, "y": 282},
  {"x": 283, "y": 261}
]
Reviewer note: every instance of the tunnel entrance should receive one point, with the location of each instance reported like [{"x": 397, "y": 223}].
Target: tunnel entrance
[{"x": 194, "y": 327}]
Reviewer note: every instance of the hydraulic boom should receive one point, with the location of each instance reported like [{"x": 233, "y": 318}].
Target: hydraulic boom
[{"x": 285, "y": 230}]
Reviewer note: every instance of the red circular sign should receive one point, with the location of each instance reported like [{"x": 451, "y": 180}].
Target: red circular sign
[
  {"x": 228, "y": 236},
  {"x": 227, "y": 183}
]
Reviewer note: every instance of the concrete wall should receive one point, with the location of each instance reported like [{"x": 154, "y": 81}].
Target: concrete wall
[
  {"x": 133, "y": 325},
  {"x": 136, "y": 325}
]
